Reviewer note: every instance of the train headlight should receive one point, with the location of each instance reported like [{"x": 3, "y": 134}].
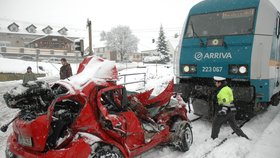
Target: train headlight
[
  {"x": 189, "y": 69},
  {"x": 242, "y": 69},
  {"x": 238, "y": 69},
  {"x": 186, "y": 68},
  {"x": 193, "y": 68},
  {"x": 234, "y": 69}
]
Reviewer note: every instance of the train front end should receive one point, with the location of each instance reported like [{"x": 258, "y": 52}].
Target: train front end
[{"x": 219, "y": 40}]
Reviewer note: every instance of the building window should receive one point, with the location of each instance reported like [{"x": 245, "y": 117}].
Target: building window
[
  {"x": 13, "y": 27},
  {"x": 31, "y": 29},
  {"x": 5, "y": 43},
  {"x": 47, "y": 30},
  {"x": 63, "y": 31}
]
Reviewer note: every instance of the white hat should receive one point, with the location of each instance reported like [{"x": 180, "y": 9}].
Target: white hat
[{"x": 218, "y": 78}]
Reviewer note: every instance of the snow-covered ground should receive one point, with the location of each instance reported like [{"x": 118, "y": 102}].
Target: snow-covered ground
[
  {"x": 262, "y": 129},
  {"x": 257, "y": 129},
  {"x": 20, "y": 66}
]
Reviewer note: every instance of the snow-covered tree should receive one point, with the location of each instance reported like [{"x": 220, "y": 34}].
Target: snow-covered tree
[
  {"x": 162, "y": 46},
  {"x": 121, "y": 40},
  {"x": 103, "y": 36}
]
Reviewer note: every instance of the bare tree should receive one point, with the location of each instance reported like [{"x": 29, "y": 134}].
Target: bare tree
[{"x": 121, "y": 40}]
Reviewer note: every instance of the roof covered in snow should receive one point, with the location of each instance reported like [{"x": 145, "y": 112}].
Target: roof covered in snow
[{"x": 30, "y": 28}]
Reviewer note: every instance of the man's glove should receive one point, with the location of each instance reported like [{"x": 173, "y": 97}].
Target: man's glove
[{"x": 223, "y": 111}]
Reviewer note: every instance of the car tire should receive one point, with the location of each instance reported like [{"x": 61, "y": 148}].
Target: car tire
[
  {"x": 104, "y": 150},
  {"x": 186, "y": 138}
]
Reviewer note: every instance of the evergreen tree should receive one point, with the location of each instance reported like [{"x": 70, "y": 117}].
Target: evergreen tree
[{"x": 162, "y": 46}]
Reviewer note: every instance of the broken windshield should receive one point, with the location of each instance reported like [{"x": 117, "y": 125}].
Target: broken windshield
[{"x": 236, "y": 22}]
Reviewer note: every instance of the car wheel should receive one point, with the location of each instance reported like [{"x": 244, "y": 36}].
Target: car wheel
[
  {"x": 106, "y": 151},
  {"x": 186, "y": 139}
]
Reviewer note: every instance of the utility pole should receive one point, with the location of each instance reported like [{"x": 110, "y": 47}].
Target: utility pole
[{"x": 89, "y": 37}]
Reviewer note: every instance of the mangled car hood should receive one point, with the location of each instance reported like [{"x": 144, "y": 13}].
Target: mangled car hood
[{"x": 92, "y": 69}]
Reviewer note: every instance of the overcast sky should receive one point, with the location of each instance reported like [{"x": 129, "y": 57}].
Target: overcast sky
[
  {"x": 142, "y": 16},
  {"x": 105, "y": 14}
]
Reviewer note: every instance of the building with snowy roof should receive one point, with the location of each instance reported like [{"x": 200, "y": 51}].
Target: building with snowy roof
[{"x": 22, "y": 37}]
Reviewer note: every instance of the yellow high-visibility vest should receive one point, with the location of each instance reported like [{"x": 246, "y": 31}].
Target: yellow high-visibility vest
[{"x": 225, "y": 96}]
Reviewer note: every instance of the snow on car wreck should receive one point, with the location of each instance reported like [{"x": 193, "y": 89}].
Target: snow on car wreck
[{"x": 89, "y": 115}]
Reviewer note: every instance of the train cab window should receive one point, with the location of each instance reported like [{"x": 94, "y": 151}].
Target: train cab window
[{"x": 236, "y": 22}]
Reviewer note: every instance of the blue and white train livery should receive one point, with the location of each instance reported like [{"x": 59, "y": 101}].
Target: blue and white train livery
[{"x": 235, "y": 39}]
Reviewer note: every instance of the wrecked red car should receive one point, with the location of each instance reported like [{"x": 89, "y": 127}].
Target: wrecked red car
[{"x": 89, "y": 116}]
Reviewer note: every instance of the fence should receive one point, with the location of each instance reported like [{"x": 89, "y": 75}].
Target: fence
[
  {"x": 132, "y": 82},
  {"x": 18, "y": 51}
]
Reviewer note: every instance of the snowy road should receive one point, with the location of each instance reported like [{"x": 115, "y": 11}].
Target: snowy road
[
  {"x": 6, "y": 114},
  {"x": 262, "y": 129},
  {"x": 234, "y": 147}
]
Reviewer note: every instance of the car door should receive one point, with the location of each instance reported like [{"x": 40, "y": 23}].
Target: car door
[{"x": 116, "y": 119}]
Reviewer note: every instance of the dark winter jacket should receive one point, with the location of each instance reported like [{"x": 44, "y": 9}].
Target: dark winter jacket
[
  {"x": 29, "y": 77},
  {"x": 216, "y": 91},
  {"x": 65, "y": 71}
]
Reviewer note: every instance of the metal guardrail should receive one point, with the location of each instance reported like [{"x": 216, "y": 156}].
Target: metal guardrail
[{"x": 132, "y": 74}]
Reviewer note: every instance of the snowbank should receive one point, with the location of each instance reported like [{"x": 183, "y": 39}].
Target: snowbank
[
  {"x": 20, "y": 66},
  {"x": 269, "y": 143}
]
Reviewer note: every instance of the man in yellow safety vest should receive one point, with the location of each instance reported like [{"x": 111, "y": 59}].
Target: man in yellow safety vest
[{"x": 226, "y": 110}]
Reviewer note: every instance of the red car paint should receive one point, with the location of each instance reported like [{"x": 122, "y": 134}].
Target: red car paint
[{"x": 122, "y": 129}]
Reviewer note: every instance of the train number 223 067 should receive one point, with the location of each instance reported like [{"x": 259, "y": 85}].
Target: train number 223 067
[{"x": 211, "y": 69}]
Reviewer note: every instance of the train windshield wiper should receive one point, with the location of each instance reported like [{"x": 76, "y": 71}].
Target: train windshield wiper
[{"x": 194, "y": 33}]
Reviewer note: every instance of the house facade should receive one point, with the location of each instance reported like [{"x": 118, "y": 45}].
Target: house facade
[
  {"x": 24, "y": 36},
  {"x": 106, "y": 53},
  {"x": 52, "y": 42}
]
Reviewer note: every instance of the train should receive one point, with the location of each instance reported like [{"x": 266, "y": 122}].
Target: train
[{"x": 237, "y": 40}]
